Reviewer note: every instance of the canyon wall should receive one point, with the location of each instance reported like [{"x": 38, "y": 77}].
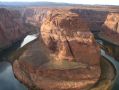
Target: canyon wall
[
  {"x": 95, "y": 15},
  {"x": 12, "y": 27},
  {"x": 110, "y": 28},
  {"x": 35, "y": 15},
  {"x": 94, "y": 18},
  {"x": 68, "y": 37},
  {"x": 64, "y": 57}
]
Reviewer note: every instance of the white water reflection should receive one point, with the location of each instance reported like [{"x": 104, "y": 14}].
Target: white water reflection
[
  {"x": 28, "y": 39},
  {"x": 7, "y": 79}
]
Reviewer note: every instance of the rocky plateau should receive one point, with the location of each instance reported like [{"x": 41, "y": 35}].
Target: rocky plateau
[{"x": 64, "y": 57}]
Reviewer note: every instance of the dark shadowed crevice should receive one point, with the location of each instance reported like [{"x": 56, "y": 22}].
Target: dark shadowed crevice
[
  {"x": 53, "y": 45},
  {"x": 116, "y": 27},
  {"x": 70, "y": 47}
]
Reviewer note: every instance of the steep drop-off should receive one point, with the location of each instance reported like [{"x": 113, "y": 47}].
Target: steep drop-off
[
  {"x": 34, "y": 15},
  {"x": 67, "y": 36},
  {"x": 110, "y": 28},
  {"x": 95, "y": 18},
  {"x": 12, "y": 28},
  {"x": 65, "y": 57}
]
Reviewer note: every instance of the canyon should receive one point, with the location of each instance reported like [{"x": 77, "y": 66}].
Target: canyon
[
  {"x": 110, "y": 28},
  {"x": 95, "y": 15},
  {"x": 62, "y": 62},
  {"x": 65, "y": 55},
  {"x": 12, "y": 28}
]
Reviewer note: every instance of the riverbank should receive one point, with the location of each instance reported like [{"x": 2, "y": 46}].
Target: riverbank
[
  {"x": 106, "y": 80},
  {"x": 7, "y": 52},
  {"x": 108, "y": 74},
  {"x": 35, "y": 73},
  {"x": 105, "y": 83},
  {"x": 110, "y": 47},
  {"x": 107, "y": 39},
  {"x": 7, "y": 79}
]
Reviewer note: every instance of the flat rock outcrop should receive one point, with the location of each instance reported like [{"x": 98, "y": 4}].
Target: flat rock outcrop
[
  {"x": 110, "y": 28},
  {"x": 12, "y": 28},
  {"x": 65, "y": 57}
]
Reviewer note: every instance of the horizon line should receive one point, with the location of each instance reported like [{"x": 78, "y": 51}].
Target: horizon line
[{"x": 56, "y": 2}]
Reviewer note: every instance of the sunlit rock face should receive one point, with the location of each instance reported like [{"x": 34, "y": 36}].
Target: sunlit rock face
[
  {"x": 110, "y": 28},
  {"x": 34, "y": 15},
  {"x": 11, "y": 28},
  {"x": 67, "y": 36},
  {"x": 64, "y": 57}
]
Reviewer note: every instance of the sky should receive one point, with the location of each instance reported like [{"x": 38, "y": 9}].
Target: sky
[{"x": 105, "y": 2}]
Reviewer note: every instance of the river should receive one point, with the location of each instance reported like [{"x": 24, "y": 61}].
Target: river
[
  {"x": 9, "y": 82},
  {"x": 7, "y": 78},
  {"x": 112, "y": 60},
  {"x": 116, "y": 64}
]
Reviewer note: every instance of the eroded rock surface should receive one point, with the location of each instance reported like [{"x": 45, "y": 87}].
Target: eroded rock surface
[
  {"x": 95, "y": 18},
  {"x": 65, "y": 57},
  {"x": 12, "y": 28},
  {"x": 68, "y": 37},
  {"x": 34, "y": 16},
  {"x": 110, "y": 28}
]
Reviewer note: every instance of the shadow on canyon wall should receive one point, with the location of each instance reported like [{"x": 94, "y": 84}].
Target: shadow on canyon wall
[
  {"x": 93, "y": 17},
  {"x": 110, "y": 41},
  {"x": 5, "y": 53},
  {"x": 96, "y": 20}
]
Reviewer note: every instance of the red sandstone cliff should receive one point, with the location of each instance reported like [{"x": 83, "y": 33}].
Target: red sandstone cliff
[
  {"x": 12, "y": 27},
  {"x": 34, "y": 15},
  {"x": 110, "y": 28},
  {"x": 67, "y": 36},
  {"x": 95, "y": 18},
  {"x": 94, "y": 15},
  {"x": 66, "y": 55}
]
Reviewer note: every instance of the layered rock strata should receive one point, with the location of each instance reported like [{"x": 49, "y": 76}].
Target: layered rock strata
[
  {"x": 65, "y": 57},
  {"x": 68, "y": 37},
  {"x": 95, "y": 18},
  {"x": 110, "y": 28},
  {"x": 12, "y": 28},
  {"x": 34, "y": 16}
]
